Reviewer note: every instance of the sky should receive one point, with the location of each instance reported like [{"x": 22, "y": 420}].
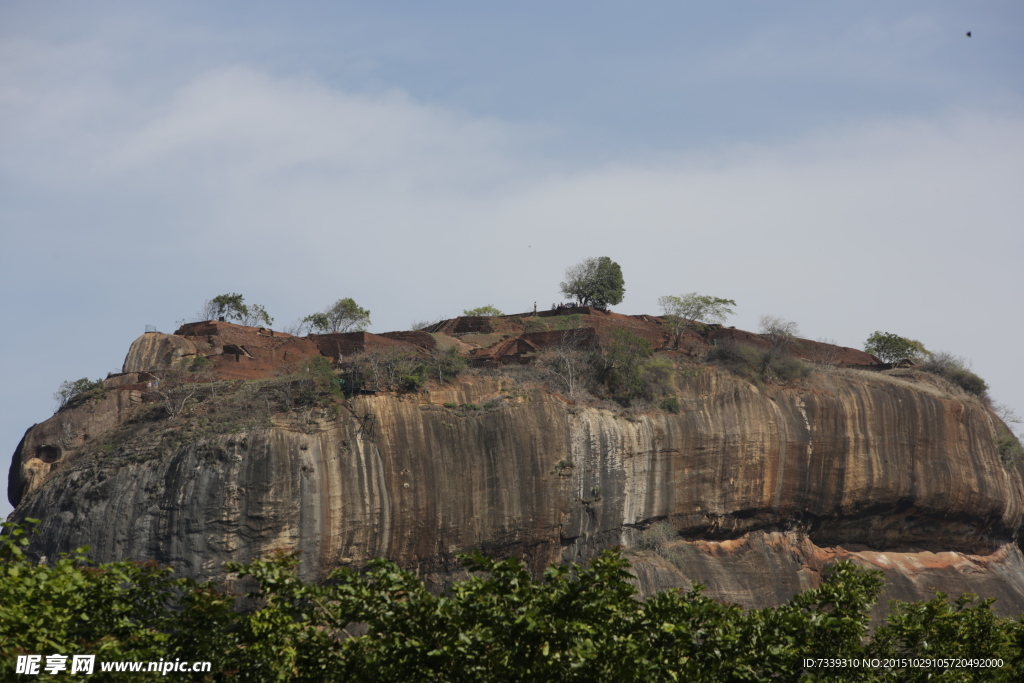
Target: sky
[{"x": 851, "y": 167}]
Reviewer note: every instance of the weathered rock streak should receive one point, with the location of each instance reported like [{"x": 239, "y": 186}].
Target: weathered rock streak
[{"x": 760, "y": 488}]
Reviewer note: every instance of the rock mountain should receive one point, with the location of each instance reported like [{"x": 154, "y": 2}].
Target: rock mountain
[{"x": 752, "y": 488}]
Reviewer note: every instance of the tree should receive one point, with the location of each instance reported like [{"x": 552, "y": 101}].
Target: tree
[
  {"x": 317, "y": 322},
  {"x": 572, "y": 362},
  {"x": 892, "y": 348},
  {"x": 487, "y": 311},
  {"x": 232, "y": 307},
  {"x": 624, "y": 355},
  {"x": 385, "y": 367},
  {"x": 229, "y": 306},
  {"x": 781, "y": 333},
  {"x": 445, "y": 364},
  {"x": 690, "y": 310},
  {"x": 258, "y": 316},
  {"x": 344, "y": 316},
  {"x": 577, "y": 623},
  {"x": 180, "y": 386},
  {"x": 71, "y": 394},
  {"x": 595, "y": 282}
]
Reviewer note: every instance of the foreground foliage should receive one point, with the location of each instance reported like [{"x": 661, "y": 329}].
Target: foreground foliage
[{"x": 577, "y": 623}]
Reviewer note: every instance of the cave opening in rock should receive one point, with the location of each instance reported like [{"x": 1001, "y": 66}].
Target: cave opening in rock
[{"x": 48, "y": 453}]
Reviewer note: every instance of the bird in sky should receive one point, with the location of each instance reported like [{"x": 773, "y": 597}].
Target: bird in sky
[{"x": 968, "y": 34}]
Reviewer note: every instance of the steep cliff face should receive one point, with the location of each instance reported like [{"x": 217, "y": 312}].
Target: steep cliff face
[{"x": 750, "y": 490}]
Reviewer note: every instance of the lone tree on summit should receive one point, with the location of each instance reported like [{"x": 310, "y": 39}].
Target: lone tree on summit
[
  {"x": 344, "y": 316},
  {"x": 595, "y": 282},
  {"x": 233, "y": 307}
]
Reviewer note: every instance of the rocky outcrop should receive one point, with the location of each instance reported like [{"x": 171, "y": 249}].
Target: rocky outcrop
[
  {"x": 155, "y": 350},
  {"x": 750, "y": 490}
]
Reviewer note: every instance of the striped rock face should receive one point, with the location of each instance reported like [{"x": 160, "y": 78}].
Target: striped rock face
[{"x": 752, "y": 491}]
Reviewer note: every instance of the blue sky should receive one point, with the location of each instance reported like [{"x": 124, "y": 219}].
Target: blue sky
[{"x": 851, "y": 168}]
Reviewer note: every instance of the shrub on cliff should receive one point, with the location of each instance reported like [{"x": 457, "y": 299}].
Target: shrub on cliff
[
  {"x": 624, "y": 354},
  {"x": 384, "y": 368},
  {"x": 181, "y": 386},
  {"x": 757, "y": 364},
  {"x": 1009, "y": 447},
  {"x": 317, "y": 383},
  {"x": 444, "y": 365},
  {"x": 691, "y": 310},
  {"x": 894, "y": 349},
  {"x": 780, "y": 333},
  {"x": 957, "y": 370},
  {"x": 75, "y": 393},
  {"x": 573, "y": 363}
]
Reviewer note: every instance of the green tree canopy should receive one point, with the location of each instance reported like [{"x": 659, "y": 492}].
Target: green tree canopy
[
  {"x": 344, "y": 316},
  {"x": 487, "y": 310},
  {"x": 595, "y": 282},
  {"x": 73, "y": 393},
  {"x": 688, "y": 311},
  {"x": 233, "y": 307},
  {"x": 625, "y": 354},
  {"x": 576, "y": 624},
  {"x": 892, "y": 348}
]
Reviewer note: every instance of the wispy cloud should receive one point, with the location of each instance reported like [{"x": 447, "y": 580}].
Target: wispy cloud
[{"x": 145, "y": 202}]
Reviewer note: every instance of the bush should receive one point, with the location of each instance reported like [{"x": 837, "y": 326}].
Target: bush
[
  {"x": 574, "y": 364},
  {"x": 670, "y": 404},
  {"x": 655, "y": 536},
  {"x": 412, "y": 382},
  {"x": 317, "y": 382},
  {"x": 181, "y": 387},
  {"x": 956, "y": 370},
  {"x": 658, "y": 375},
  {"x": 487, "y": 311},
  {"x": 385, "y": 368},
  {"x": 893, "y": 349},
  {"x": 444, "y": 366},
  {"x": 624, "y": 356},
  {"x": 1008, "y": 446},
  {"x": 784, "y": 369},
  {"x": 71, "y": 394},
  {"x": 779, "y": 332},
  {"x": 756, "y": 364},
  {"x": 196, "y": 364}
]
